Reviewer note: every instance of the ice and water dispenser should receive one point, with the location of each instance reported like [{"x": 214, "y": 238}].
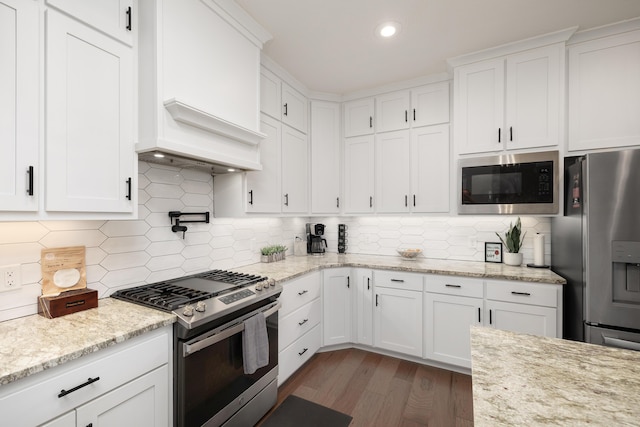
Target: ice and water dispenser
[{"x": 626, "y": 272}]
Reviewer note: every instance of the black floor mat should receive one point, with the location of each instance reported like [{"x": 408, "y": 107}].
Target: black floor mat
[{"x": 296, "y": 412}]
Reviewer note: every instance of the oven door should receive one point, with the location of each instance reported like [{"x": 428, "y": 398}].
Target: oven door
[{"x": 211, "y": 385}]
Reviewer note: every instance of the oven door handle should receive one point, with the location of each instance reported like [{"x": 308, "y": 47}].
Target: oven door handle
[
  {"x": 225, "y": 333},
  {"x": 619, "y": 343}
]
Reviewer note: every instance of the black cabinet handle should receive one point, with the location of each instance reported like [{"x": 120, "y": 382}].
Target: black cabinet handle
[
  {"x": 510, "y": 133},
  {"x": 348, "y": 282},
  {"x": 405, "y": 116},
  {"x": 337, "y": 202},
  {"x": 128, "y": 188},
  {"x": 414, "y": 200},
  {"x": 414, "y": 114},
  {"x": 303, "y": 322},
  {"x": 406, "y": 201},
  {"x": 251, "y": 197},
  {"x": 490, "y": 318},
  {"x": 376, "y": 300},
  {"x": 397, "y": 280},
  {"x": 526, "y": 294},
  {"x": 370, "y": 201},
  {"x": 78, "y": 387},
  {"x": 129, "y": 18},
  {"x": 300, "y": 353},
  {"x": 30, "y": 180},
  {"x": 370, "y": 121},
  {"x": 286, "y": 109},
  {"x": 368, "y": 283},
  {"x": 479, "y": 315},
  {"x": 303, "y": 292},
  {"x": 448, "y": 285},
  {"x": 499, "y": 134},
  {"x": 286, "y": 199}
]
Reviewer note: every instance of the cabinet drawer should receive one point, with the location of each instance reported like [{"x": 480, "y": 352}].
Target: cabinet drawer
[
  {"x": 293, "y": 357},
  {"x": 294, "y": 325},
  {"x": 453, "y": 285},
  {"x": 34, "y": 400},
  {"x": 398, "y": 280},
  {"x": 524, "y": 293},
  {"x": 299, "y": 292}
]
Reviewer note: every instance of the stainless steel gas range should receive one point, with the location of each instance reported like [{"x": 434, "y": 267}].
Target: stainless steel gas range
[{"x": 211, "y": 387}]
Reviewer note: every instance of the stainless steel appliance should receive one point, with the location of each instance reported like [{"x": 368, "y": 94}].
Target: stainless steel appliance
[
  {"x": 509, "y": 184},
  {"x": 596, "y": 247},
  {"x": 316, "y": 244},
  {"x": 210, "y": 385}
]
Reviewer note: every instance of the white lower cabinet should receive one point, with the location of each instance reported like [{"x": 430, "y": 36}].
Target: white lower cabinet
[
  {"x": 126, "y": 384},
  {"x": 336, "y": 306},
  {"x": 363, "y": 315},
  {"x": 299, "y": 331},
  {"x": 398, "y": 312}
]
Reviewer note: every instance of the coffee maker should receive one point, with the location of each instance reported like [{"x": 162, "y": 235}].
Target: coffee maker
[{"x": 316, "y": 244}]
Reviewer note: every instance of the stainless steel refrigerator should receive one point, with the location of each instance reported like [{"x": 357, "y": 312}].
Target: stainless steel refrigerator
[{"x": 595, "y": 245}]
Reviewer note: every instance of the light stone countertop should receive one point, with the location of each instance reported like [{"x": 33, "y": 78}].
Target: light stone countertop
[
  {"x": 294, "y": 266},
  {"x": 524, "y": 380},
  {"x": 34, "y": 343}
]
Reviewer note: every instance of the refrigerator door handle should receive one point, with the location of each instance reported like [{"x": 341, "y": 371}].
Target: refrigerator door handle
[{"x": 617, "y": 342}]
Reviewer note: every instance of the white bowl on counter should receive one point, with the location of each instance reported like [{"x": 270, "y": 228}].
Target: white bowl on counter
[{"x": 409, "y": 253}]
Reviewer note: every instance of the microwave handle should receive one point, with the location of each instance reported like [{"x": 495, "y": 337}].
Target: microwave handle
[{"x": 188, "y": 349}]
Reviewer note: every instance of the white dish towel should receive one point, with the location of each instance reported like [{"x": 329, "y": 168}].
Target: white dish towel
[{"x": 255, "y": 343}]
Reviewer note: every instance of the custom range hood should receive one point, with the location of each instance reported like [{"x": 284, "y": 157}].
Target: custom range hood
[{"x": 199, "y": 90}]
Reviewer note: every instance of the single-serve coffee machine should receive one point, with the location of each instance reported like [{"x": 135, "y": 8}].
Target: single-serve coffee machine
[{"x": 316, "y": 244}]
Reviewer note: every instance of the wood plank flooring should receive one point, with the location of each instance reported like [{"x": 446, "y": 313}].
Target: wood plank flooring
[{"x": 383, "y": 391}]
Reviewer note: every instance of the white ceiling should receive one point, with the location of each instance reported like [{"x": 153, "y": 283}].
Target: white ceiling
[{"x": 330, "y": 46}]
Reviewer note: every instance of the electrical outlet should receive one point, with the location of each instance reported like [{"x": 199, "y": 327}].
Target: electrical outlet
[{"x": 10, "y": 277}]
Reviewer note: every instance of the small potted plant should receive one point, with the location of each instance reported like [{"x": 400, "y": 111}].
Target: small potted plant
[
  {"x": 273, "y": 253},
  {"x": 513, "y": 242}
]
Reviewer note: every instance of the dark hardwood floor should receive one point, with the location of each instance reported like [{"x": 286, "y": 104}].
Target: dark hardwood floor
[{"x": 377, "y": 390}]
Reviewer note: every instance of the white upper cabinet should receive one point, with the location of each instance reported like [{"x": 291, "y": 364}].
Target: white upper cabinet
[
  {"x": 430, "y": 104},
  {"x": 325, "y": 157},
  {"x": 19, "y": 140},
  {"x": 392, "y": 111},
  {"x": 359, "y": 174},
  {"x": 263, "y": 187},
  {"x": 282, "y": 102},
  {"x": 510, "y": 97},
  {"x": 430, "y": 169},
  {"x": 604, "y": 92},
  {"x": 295, "y": 180},
  {"x": 358, "y": 117},
  {"x": 90, "y": 92},
  {"x": 393, "y": 176}
]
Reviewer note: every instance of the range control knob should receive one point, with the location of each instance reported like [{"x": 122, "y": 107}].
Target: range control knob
[
  {"x": 259, "y": 287},
  {"x": 201, "y": 306},
  {"x": 187, "y": 310}
]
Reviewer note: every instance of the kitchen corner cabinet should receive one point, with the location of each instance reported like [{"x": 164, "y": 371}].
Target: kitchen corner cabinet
[
  {"x": 604, "y": 92},
  {"x": 398, "y": 312},
  {"x": 359, "y": 172},
  {"x": 299, "y": 329},
  {"x": 358, "y": 117},
  {"x": 90, "y": 91},
  {"x": 337, "y": 306},
  {"x": 19, "y": 81},
  {"x": 511, "y": 102},
  {"x": 132, "y": 387},
  {"x": 363, "y": 315},
  {"x": 282, "y": 102},
  {"x": 325, "y": 153}
]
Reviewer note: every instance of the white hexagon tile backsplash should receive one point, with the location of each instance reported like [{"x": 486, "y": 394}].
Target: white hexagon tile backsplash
[{"x": 128, "y": 253}]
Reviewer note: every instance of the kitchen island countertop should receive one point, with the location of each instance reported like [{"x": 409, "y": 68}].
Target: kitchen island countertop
[{"x": 525, "y": 380}]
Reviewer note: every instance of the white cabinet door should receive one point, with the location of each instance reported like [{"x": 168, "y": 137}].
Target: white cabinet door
[
  {"x": 66, "y": 420},
  {"x": 430, "y": 105},
  {"x": 115, "y": 17},
  {"x": 19, "y": 125},
  {"x": 336, "y": 306},
  {"x": 269, "y": 93},
  {"x": 447, "y": 327},
  {"x": 526, "y": 319},
  {"x": 534, "y": 92},
  {"x": 479, "y": 106},
  {"x": 430, "y": 169},
  {"x": 294, "y": 108},
  {"x": 263, "y": 187},
  {"x": 398, "y": 320},
  {"x": 359, "y": 174},
  {"x": 295, "y": 152},
  {"x": 364, "y": 306},
  {"x": 358, "y": 117},
  {"x": 392, "y": 111},
  {"x": 393, "y": 174},
  {"x": 325, "y": 157},
  {"x": 141, "y": 402},
  {"x": 604, "y": 92},
  {"x": 89, "y": 127}
]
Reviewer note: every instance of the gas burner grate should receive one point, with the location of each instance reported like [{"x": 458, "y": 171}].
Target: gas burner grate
[
  {"x": 164, "y": 296},
  {"x": 231, "y": 277}
]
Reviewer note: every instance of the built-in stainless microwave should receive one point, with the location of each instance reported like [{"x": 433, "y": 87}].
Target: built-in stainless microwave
[{"x": 509, "y": 184}]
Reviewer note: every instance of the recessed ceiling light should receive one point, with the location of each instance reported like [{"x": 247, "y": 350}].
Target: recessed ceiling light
[
  {"x": 388, "y": 29},
  {"x": 158, "y": 155},
  {"x": 231, "y": 170}
]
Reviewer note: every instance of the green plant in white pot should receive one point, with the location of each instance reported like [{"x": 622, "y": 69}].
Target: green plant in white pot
[{"x": 513, "y": 242}]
